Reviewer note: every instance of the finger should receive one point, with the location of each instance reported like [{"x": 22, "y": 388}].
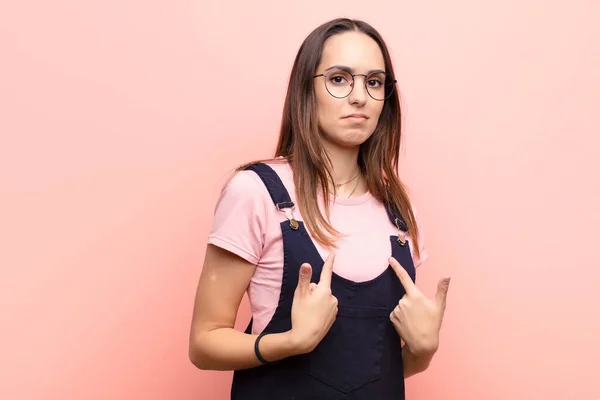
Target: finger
[
  {"x": 395, "y": 314},
  {"x": 313, "y": 286},
  {"x": 442, "y": 292},
  {"x": 405, "y": 279},
  {"x": 334, "y": 312},
  {"x": 303, "y": 287},
  {"x": 327, "y": 271},
  {"x": 332, "y": 318}
]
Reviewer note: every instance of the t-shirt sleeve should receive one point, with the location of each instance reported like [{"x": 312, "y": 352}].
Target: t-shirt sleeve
[{"x": 239, "y": 218}]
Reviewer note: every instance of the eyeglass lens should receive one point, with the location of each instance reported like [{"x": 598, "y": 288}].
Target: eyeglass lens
[{"x": 339, "y": 83}]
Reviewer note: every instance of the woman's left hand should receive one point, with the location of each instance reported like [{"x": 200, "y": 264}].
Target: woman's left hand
[{"x": 418, "y": 319}]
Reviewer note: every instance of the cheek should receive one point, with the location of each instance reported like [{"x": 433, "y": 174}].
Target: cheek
[
  {"x": 376, "y": 115},
  {"x": 377, "y": 109},
  {"x": 328, "y": 110}
]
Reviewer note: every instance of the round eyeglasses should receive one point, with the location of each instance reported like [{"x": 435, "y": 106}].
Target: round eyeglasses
[{"x": 340, "y": 83}]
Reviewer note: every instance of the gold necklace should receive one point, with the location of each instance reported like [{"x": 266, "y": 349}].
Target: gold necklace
[
  {"x": 353, "y": 190},
  {"x": 337, "y": 185}
]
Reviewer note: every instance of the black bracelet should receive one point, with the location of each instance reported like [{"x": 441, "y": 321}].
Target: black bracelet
[{"x": 256, "y": 351}]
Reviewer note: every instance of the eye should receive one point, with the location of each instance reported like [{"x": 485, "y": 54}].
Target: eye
[
  {"x": 338, "y": 79},
  {"x": 376, "y": 80}
]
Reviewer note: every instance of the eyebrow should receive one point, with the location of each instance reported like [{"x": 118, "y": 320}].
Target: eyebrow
[{"x": 351, "y": 70}]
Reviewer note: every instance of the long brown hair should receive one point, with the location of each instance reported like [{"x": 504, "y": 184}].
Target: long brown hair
[{"x": 300, "y": 139}]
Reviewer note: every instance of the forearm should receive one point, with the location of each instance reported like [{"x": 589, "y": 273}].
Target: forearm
[
  {"x": 228, "y": 349},
  {"x": 413, "y": 364}
]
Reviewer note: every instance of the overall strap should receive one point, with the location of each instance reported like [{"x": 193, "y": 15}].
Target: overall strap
[
  {"x": 282, "y": 200},
  {"x": 396, "y": 218},
  {"x": 279, "y": 194},
  {"x": 277, "y": 190}
]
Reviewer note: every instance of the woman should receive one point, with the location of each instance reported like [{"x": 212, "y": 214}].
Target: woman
[{"x": 324, "y": 240}]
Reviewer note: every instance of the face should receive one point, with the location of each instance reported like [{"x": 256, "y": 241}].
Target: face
[{"x": 351, "y": 120}]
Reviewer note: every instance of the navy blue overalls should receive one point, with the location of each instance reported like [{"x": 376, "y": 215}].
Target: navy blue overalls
[{"x": 360, "y": 357}]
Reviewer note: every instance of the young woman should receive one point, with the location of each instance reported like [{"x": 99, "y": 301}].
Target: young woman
[{"x": 325, "y": 241}]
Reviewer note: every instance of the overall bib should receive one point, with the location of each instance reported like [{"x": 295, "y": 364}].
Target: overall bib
[{"x": 360, "y": 357}]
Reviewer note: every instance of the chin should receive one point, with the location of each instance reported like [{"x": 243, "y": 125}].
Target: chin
[
  {"x": 348, "y": 137},
  {"x": 353, "y": 138}
]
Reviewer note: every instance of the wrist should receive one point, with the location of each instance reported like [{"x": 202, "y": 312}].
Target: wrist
[
  {"x": 293, "y": 344},
  {"x": 422, "y": 350},
  {"x": 414, "y": 364},
  {"x": 277, "y": 346}
]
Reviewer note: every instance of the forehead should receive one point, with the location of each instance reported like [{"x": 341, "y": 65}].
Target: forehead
[{"x": 353, "y": 49}]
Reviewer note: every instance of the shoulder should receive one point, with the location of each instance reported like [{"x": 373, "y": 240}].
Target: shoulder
[
  {"x": 243, "y": 192},
  {"x": 281, "y": 167},
  {"x": 243, "y": 182},
  {"x": 247, "y": 179},
  {"x": 245, "y": 186},
  {"x": 241, "y": 217}
]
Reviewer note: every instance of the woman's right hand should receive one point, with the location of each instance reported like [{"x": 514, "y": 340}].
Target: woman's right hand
[{"x": 314, "y": 308}]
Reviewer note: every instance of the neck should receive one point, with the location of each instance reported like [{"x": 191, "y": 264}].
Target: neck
[{"x": 344, "y": 163}]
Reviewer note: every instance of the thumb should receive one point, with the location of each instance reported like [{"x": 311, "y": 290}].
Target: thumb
[
  {"x": 442, "y": 292},
  {"x": 305, "y": 273}
]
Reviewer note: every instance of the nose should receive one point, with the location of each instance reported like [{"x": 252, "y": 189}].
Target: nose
[{"x": 359, "y": 93}]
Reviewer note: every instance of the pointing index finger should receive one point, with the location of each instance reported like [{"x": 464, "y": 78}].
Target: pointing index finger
[
  {"x": 327, "y": 271},
  {"x": 405, "y": 279}
]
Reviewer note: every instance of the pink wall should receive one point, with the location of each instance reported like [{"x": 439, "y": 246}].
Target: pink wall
[{"x": 119, "y": 121}]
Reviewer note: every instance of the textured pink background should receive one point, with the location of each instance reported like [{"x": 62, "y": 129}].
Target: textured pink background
[{"x": 119, "y": 121}]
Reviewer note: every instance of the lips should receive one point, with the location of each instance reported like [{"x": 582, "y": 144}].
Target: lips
[{"x": 356, "y": 116}]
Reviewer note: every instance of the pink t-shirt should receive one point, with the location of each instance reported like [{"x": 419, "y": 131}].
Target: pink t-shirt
[{"x": 246, "y": 223}]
